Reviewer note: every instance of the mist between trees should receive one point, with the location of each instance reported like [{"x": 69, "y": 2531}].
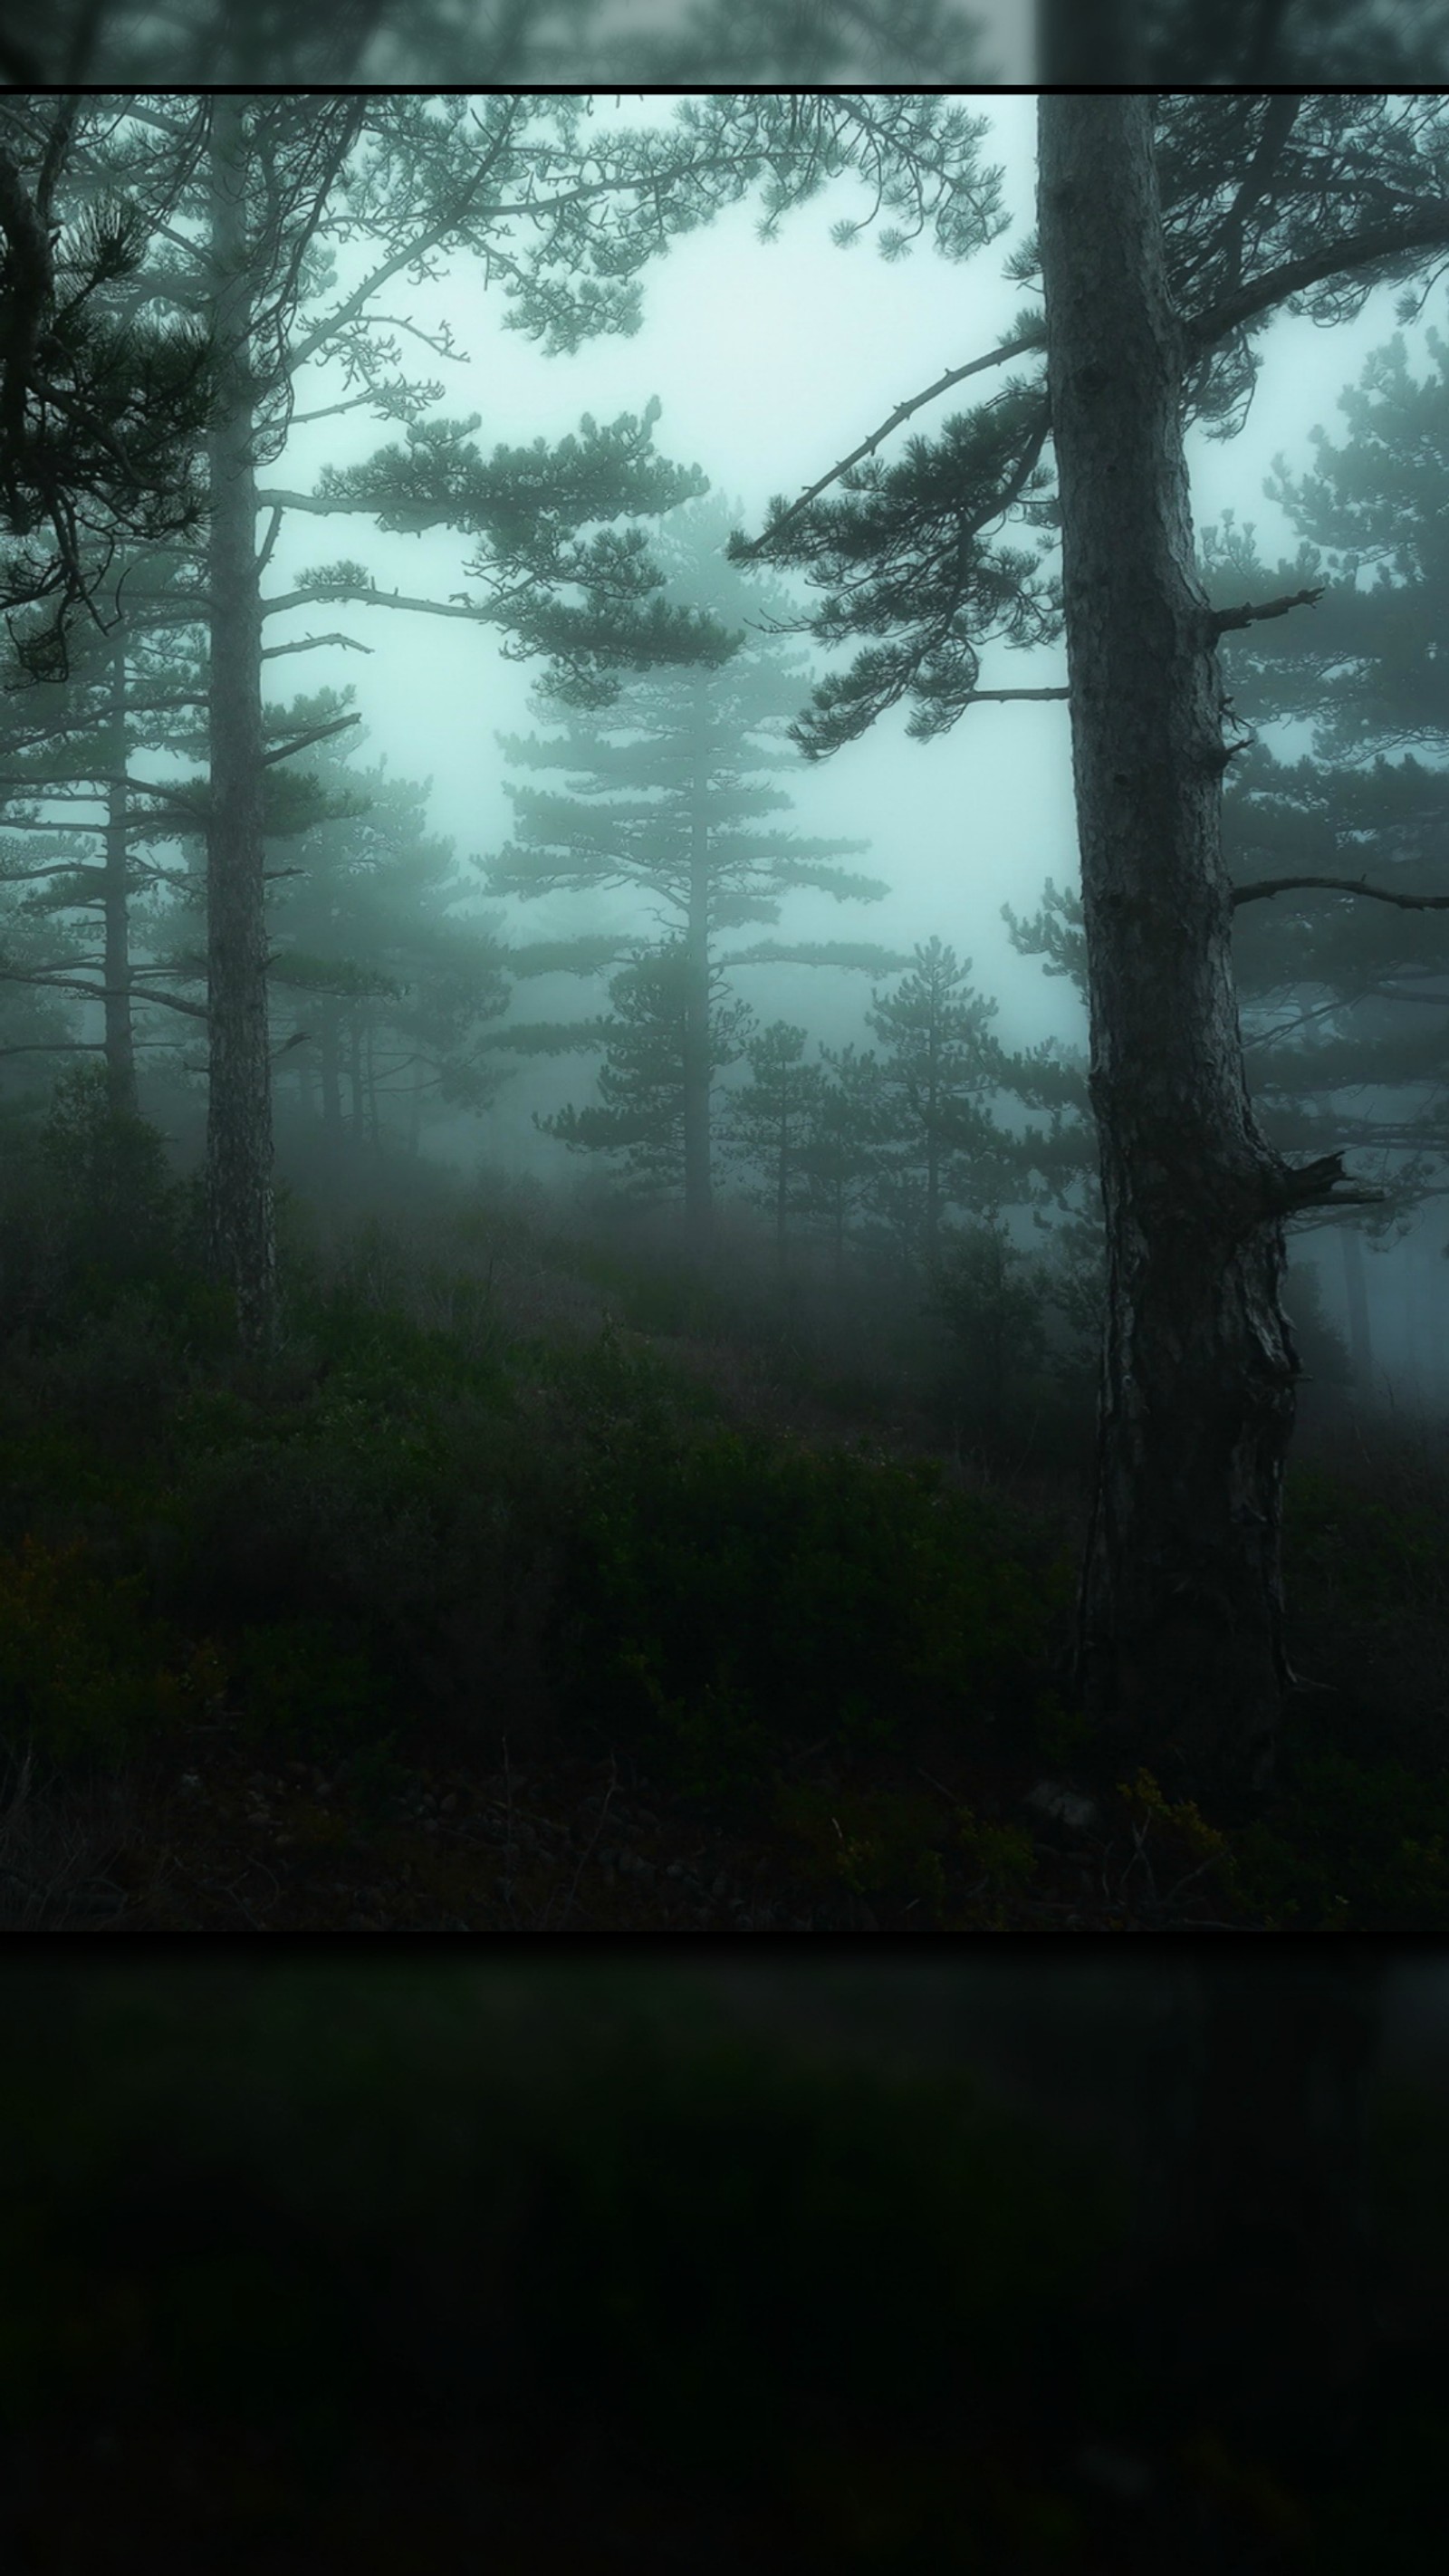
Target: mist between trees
[
  {"x": 1160, "y": 43},
  {"x": 185, "y": 848}
]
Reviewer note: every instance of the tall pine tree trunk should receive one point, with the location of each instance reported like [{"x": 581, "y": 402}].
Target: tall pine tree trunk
[
  {"x": 698, "y": 1191},
  {"x": 240, "y": 1215},
  {"x": 374, "y": 1116},
  {"x": 328, "y": 1023},
  {"x": 1355, "y": 1287},
  {"x": 1179, "y": 1650},
  {"x": 120, "y": 1045},
  {"x": 354, "y": 1076}
]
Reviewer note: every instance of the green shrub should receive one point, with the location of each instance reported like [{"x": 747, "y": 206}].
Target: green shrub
[
  {"x": 306, "y": 1683},
  {"x": 408, "y": 1529},
  {"x": 388, "y": 1358},
  {"x": 873, "y": 1841},
  {"x": 89, "y": 1211},
  {"x": 730, "y": 1590},
  {"x": 334, "y": 1519},
  {"x": 85, "y": 1673},
  {"x": 1349, "y": 1845},
  {"x": 994, "y": 1319},
  {"x": 1378, "y": 1556}
]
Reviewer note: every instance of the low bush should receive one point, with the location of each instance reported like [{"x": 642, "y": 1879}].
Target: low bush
[
  {"x": 728, "y": 1594},
  {"x": 587, "y": 2208},
  {"x": 86, "y": 1674},
  {"x": 89, "y": 1213}
]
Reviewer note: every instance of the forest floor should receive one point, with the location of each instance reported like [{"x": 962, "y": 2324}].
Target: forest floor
[
  {"x": 208, "y": 1837},
  {"x": 555, "y": 1818}
]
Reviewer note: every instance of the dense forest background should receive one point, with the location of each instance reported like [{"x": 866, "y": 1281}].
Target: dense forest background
[{"x": 441, "y": 1546}]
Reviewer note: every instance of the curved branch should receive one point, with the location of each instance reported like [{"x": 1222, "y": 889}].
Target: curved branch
[
  {"x": 1221, "y": 620},
  {"x": 954, "y": 376},
  {"x": 1342, "y": 885},
  {"x": 1314, "y": 1185},
  {"x": 1426, "y": 231}
]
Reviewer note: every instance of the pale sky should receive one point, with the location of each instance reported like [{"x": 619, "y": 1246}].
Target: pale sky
[{"x": 772, "y": 362}]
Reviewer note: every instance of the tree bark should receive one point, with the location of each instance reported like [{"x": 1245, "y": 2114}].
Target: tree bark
[
  {"x": 120, "y": 1043},
  {"x": 240, "y": 1214},
  {"x": 698, "y": 1186},
  {"x": 1179, "y": 1647}
]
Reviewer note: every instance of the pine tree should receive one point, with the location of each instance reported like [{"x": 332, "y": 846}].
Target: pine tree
[
  {"x": 772, "y": 1120},
  {"x": 103, "y": 410},
  {"x": 257, "y": 175},
  {"x": 937, "y": 1060},
  {"x": 667, "y": 794},
  {"x": 839, "y": 1160},
  {"x": 652, "y": 1060},
  {"x": 1170, "y": 231}
]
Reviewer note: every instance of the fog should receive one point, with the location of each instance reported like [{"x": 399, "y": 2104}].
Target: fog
[{"x": 771, "y": 362}]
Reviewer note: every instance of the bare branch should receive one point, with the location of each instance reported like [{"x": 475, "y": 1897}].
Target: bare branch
[
  {"x": 1221, "y": 619},
  {"x": 272, "y": 652},
  {"x": 316, "y": 733},
  {"x": 954, "y": 376},
  {"x": 1342, "y": 885}
]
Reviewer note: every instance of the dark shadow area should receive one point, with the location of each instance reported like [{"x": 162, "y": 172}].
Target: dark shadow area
[
  {"x": 609, "y": 2265},
  {"x": 542, "y": 1581}
]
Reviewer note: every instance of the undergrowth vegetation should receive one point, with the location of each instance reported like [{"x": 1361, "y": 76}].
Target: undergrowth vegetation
[
  {"x": 504, "y": 1491},
  {"x": 546, "y": 2264}
]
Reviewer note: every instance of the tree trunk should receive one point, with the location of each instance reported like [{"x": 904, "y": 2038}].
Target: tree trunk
[
  {"x": 1355, "y": 1287},
  {"x": 120, "y": 1046},
  {"x": 374, "y": 1119},
  {"x": 331, "y": 1054},
  {"x": 1179, "y": 1647},
  {"x": 698, "y": 1192},
  {"x": 354, "y": 1076},
  {"x": 240, "y": 1215},
  {"x": 933, "y": 1174}
]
